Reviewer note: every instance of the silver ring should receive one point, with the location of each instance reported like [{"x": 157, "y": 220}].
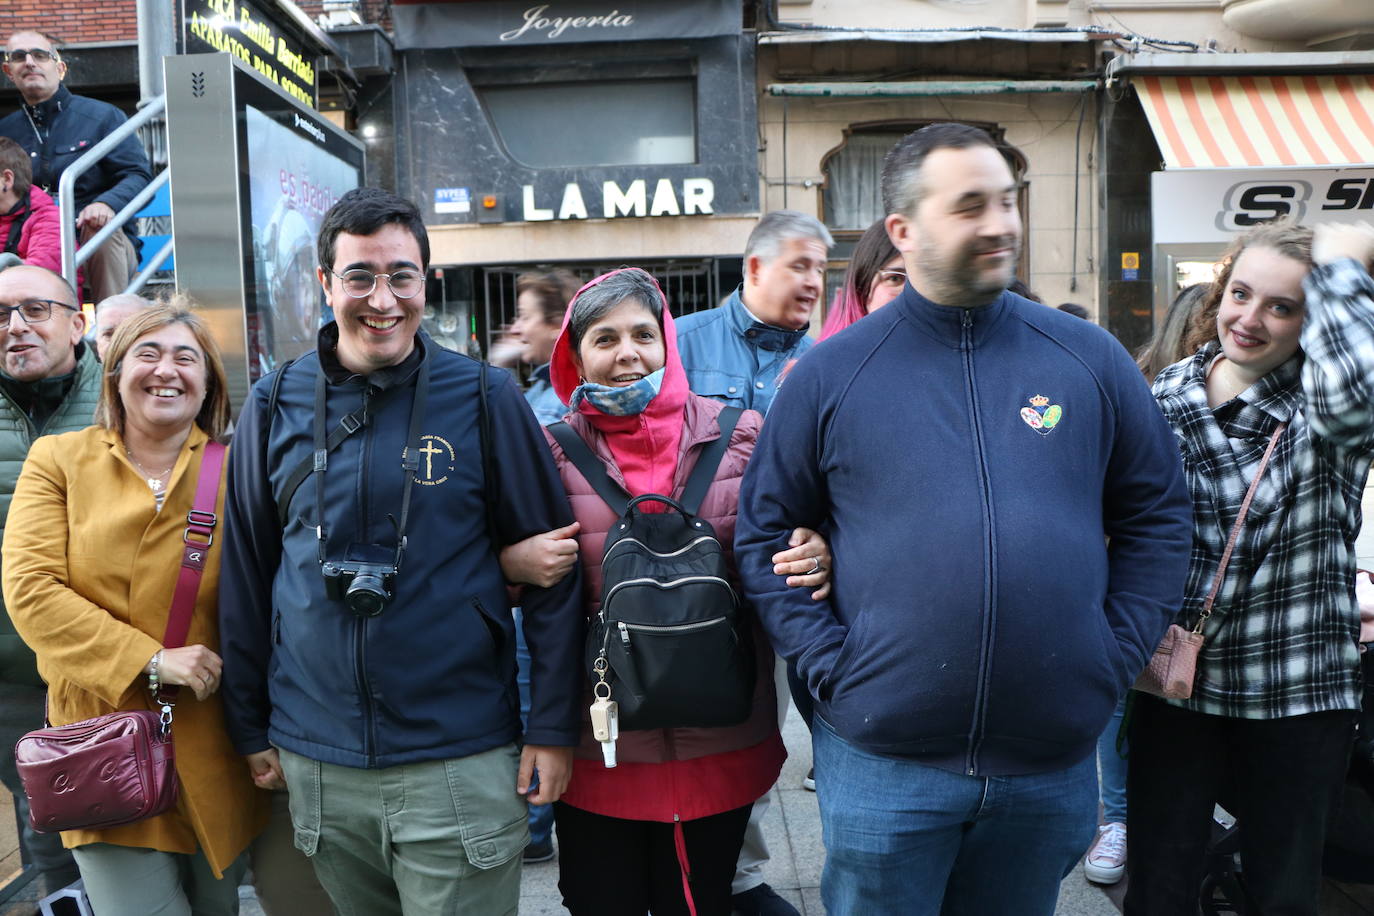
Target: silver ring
[{"x": 816, "y": 567}]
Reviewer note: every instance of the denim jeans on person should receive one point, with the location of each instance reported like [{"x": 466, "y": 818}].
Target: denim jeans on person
[
  {"x": 905, "y": 838},
  {"x": 1281, "y": 778},
  {"x": 541, "y": 816},
  {"x": 1112, "y": 768}
]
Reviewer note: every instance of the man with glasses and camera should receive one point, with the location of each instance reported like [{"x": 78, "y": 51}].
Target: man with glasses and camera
[
  {"x": 56, "y": 127},
  {"x": 50, "y": 384},
  {"x": 368, "y": 645}
]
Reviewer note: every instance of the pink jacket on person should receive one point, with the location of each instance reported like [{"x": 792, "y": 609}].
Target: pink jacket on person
[
  {"x": 685, "y": 773},
  {"x": 40, "y": 239}
]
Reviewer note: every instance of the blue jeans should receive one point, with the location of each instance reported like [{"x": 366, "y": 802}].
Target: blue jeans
[
  {"x": 912, "y": 840},
  {"x": 541, "y": 816},
  {"x": 1113, "y": 769}
]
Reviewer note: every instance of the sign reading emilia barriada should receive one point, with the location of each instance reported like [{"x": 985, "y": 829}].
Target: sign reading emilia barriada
[
  {"x": 479, "y": 23},
  {"x": 250, "y": 34}
]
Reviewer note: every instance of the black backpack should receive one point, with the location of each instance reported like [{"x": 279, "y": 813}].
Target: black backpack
[{"x": 670, "y": 636}]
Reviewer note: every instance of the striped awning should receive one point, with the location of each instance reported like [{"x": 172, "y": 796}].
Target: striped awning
[{"x": 1214, "y": 122}]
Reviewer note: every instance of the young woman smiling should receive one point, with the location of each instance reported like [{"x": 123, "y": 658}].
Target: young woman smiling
[{"x": 1286, "y": 335}]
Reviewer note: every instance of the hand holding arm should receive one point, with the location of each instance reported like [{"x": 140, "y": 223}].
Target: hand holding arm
[
  {"x": 542, "y": 559},
  {"x": 806, "y": 563}
]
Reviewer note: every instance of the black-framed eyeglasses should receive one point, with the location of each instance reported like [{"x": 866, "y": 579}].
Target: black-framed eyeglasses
[
  {"x": 359, "y": 282},
  {"x": 31, "y": 310},
  {"x": 40, "y": 55}
]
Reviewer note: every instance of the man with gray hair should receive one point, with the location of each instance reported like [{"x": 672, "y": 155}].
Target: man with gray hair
[
  {"x": 735, "y": 353},
  {"x": 110, "y": 313}
]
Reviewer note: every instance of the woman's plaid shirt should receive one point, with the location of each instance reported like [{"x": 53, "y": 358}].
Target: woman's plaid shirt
[{"x": 1282, "y": 639}]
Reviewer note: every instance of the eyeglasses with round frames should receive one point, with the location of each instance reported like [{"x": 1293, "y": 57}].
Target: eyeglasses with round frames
[
  {"x": 40, "y": 55},
  {"x": 31, "y": 310},
  {"x": 359, "y": 283}
]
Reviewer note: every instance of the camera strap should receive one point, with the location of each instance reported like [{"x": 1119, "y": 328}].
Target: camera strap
[{"x": 325, "y": 443}]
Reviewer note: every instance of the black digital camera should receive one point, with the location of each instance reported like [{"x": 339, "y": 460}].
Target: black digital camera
[{"x": 364, "y": 587}]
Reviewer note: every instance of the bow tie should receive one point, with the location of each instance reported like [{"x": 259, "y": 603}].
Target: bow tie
[{"x": 767, "y": 337}]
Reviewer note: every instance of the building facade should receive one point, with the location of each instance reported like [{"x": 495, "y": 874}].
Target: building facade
[{"x": 575, "y": 133}]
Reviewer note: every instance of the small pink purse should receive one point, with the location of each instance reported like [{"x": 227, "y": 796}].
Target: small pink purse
[{"x": 1173, "y": 667}]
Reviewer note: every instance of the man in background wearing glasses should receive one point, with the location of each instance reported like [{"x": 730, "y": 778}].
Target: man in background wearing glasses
[
  {"x": 368, "y": 644},
  {"x": 56, "y": 128},
  {"x": 50, "y": 384}
]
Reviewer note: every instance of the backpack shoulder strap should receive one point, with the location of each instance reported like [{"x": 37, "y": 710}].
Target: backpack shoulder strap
[
  {"x": 589, "y": 465},
  {"x": 709, "y": 461},
  {"x": 350, "y": 424}
]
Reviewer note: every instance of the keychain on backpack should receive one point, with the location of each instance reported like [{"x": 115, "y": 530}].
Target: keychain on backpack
[{"x": 605, "y": 715}]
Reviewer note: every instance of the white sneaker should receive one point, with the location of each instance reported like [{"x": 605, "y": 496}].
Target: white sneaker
[{"x": 1106, "y": 859}]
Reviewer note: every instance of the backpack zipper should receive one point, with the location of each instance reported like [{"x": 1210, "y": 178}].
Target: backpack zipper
[
  {"x": 625, "y": 628},
  {"x": 647, "y": 549},
  {"x": 649, "y": 580}
]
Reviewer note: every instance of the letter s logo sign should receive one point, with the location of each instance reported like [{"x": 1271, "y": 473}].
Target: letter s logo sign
[{"x": 1250, "y": 203}]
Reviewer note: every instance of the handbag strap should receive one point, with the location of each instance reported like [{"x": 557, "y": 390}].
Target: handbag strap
[
  {"x": 1236, "y": 528},
  {"x": 197, "y": 539}
]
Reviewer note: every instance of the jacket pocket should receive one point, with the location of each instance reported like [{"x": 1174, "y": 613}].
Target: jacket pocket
[
  {"x": 494, "y": 630},
  {"x": 721, "y": 386},
  {"x": 844, "y": 659}
]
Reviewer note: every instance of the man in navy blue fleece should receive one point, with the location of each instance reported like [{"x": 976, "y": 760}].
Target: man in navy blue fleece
[
  {"x": 1010, "y": 528},
  {"x": 56, "y": 128},
  {"x": 369, "y": 649}
]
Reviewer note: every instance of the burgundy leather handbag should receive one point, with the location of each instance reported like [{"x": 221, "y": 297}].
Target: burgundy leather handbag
[{"x": 120, "y": 767}]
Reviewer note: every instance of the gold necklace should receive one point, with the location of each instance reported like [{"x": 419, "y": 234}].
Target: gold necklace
[{"x": 154, "y": 481}]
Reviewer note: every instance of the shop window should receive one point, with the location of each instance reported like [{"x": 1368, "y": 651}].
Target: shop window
[{"x": 602, "y": 122}]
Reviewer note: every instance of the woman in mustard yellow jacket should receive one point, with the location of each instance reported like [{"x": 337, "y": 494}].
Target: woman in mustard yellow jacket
[{"x": 90, "y": 557}]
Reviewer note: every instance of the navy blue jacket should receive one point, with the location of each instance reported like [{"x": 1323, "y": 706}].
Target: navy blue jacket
[
  {"x": 72, "y": 124},
  {"x": 968, "y": 466},
  {"x": 432, "y": 677}
]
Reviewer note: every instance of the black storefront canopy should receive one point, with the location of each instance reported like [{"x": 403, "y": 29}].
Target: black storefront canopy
[{"x": 522, "y": 23}]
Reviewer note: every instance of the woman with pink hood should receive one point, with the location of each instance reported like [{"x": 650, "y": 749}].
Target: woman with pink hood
[{"x": 660, "y": 832}]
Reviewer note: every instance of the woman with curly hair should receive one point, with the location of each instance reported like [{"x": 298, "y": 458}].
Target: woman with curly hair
[{"x": 1282, "y": 353}]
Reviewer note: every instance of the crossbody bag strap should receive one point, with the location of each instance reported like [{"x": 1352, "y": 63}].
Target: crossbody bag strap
[
  {"x": 590, "y": 466},
  {"x": 711, "y": 456},
  {"x": 196, "y": 540},
  {"x": 1236, "y": 529}
]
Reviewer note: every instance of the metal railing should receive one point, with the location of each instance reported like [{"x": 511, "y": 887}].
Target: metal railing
[{"x": 66, "y": 200}]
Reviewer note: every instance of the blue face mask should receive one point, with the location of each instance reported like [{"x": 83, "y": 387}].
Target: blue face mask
[{"x": 622, "y": 401}]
